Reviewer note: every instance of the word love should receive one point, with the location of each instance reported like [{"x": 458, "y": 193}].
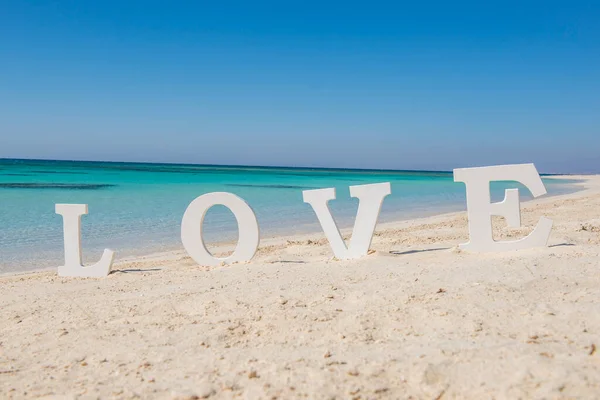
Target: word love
[{"x": 480, "y": 210}]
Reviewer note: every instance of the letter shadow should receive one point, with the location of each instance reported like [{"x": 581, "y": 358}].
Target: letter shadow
[
  {"x": 402, "y": 253},
  {"x": 288, "y": 262},
  {"x": 129, "y": 271}
]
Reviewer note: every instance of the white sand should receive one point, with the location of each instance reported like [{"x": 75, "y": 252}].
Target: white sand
[{"x": 417, "y": 318}]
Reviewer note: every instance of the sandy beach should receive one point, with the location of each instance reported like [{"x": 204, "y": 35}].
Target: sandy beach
[{"x": 417, "y": 318}]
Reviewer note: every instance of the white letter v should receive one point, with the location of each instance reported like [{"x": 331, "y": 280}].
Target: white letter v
[{"x": 370, "y": 199}]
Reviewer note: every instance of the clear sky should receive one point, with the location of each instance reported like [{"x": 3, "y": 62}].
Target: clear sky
[{"x": 404, "y": 85}]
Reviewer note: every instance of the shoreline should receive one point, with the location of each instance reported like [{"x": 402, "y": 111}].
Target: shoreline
[{"x": 271, "y": 240}]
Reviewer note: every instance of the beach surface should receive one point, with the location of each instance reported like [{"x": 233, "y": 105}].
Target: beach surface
[{"x": 417, "y": 318}]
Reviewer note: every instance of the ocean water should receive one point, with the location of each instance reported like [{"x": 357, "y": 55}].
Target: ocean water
[{"x": 136, "y": 209}]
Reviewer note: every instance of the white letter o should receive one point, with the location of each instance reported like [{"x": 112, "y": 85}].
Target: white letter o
[{"x": 191, "y": 229}]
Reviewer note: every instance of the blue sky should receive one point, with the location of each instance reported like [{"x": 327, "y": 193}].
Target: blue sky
[{"x": 420, "y": 85}]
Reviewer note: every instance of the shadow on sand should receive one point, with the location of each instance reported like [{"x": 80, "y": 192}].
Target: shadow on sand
[
  {"x": 133, "y": 270},
  {"x": 403, "y": 253}
]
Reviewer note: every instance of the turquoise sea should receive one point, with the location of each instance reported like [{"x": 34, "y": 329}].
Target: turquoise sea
[{"x": 137, "y": 208}]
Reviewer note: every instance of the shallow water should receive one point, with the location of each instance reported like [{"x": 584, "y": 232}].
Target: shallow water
[{"x": 137, "y": 208}]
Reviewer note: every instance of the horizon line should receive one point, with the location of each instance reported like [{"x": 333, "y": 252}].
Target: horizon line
[{"x": 249, "y": 166}]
